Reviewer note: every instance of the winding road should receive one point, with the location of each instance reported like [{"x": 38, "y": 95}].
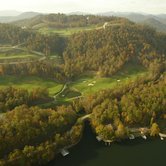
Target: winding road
[{"x": 61, "y": 91}]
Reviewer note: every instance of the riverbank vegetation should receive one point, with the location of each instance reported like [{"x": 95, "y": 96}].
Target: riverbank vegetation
[{"x": 31, "y": 136}]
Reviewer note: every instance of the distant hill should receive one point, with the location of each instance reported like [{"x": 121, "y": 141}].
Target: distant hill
[
  {"x": 155, "y": 24},
  {"x": 155, "y": 21},
  {"x": 78, "y": 13},
  {"x": 64, "y": 21},
  {"x": 9, "y": 13},
  {"x": 26, "y": 15},
  {"x": 37, "y": 20},
  {"x": 162, "y": 16},
  {"x": 136, "y": 17}
]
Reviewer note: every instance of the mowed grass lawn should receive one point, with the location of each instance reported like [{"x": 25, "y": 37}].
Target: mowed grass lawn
[
  {"x": 128, "y": 73},
  {"x": 30, "y": 83},
  {"x": 65, "y": 31},
  {"x": 18, "y": 56},
  {"x": 70, "y": 31},
  {"x": 13, "y": 54},
  {"x": 80, "y": 86}
]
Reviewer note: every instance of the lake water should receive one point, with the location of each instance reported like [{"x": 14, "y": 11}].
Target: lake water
[{"x": 137, "y": 152}]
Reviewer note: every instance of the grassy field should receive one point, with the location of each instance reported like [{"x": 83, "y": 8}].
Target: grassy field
[
  {"x": 65, "y": 31},
  {"x": 129, "y": 72},
  {"x": 69, "y": 31},
  {"x": 18, "y": 56},
  {"x": 30, "y": 83},
  {"x": 78, "y": 87},
  {"x": 13, "y": 54}
]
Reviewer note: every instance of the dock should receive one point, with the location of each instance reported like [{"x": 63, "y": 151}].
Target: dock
[
  {"x": 108, "y": 142},
  {"x": 162, "y": 136},
  {"x": 64, "y": 152}
]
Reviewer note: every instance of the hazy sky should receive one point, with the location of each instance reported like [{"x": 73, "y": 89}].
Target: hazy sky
[{"x": 92, "y": 6}]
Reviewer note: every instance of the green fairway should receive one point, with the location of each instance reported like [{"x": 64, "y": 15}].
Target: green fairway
[
  {"x": 82, "y": 86},
  {"x": 11, "y": 54},
  {"x": 65, "y": 31},
  {"x": 18, "y": 56},
  {"x": 30, "y": 83},
  {"x": 88, "y": 85},
  {"x": 69, "y": 31}
]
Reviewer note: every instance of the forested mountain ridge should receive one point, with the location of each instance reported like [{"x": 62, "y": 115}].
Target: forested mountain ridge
[
  {"x": 64, "y": 21},
  {"x": 102, "y": 50},
  {"x": 105, "y": 51},
  {"x": 37, "y": 20},
  {"x": 18, "y": 16},
  {"x": 156, "y": 21},
  {"x": 14, "y": 35},
  {"x": 159, "y": 26}
]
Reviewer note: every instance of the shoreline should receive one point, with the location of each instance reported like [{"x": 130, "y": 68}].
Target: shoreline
[{"x": 90, "y": 137}]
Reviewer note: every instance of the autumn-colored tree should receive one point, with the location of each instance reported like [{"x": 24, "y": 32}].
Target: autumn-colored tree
[{"x": 154, "y": 130}]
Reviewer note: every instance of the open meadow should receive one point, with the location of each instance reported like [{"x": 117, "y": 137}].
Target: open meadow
[
  {"x": 65, "y": 31},
  {"x": 29, "y": 83}
]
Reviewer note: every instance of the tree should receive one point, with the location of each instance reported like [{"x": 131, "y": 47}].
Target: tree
[
  {"x": 121, "y": 131},
  {"x": 154, "y": 130}
]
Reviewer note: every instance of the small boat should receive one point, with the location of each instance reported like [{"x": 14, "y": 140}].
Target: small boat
[
  {"x": 99, "y": 138},
  {"x": 144, "y": 137},
  {"x": 131, "y": 136},
  {"x": 161, "y": 138}
]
